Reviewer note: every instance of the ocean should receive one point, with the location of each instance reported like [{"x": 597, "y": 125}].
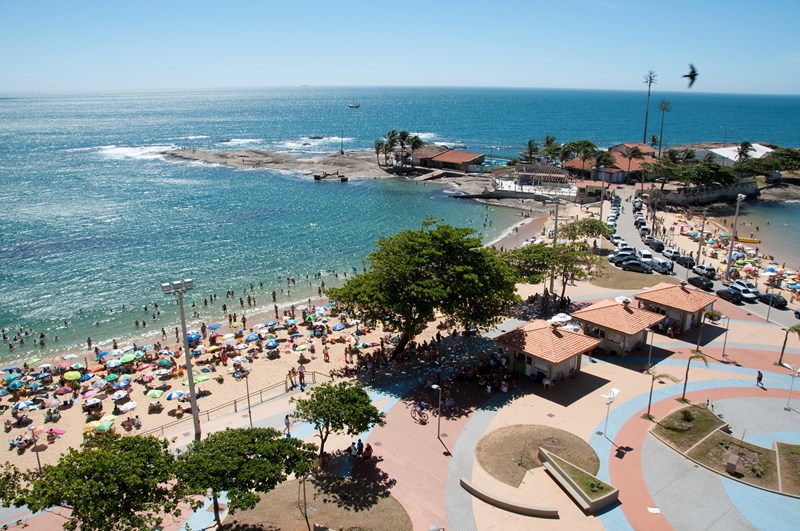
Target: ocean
[{"x": 93, "y": 219}]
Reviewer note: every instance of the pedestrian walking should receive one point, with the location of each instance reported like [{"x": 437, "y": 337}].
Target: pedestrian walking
[
  {"x": 288, "y": 423},
  {"x": 301, "y": 378},
  {"x": 759, "y": 377}
]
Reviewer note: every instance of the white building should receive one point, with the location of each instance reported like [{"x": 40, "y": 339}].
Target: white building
[{"x": 726, "y": 156}]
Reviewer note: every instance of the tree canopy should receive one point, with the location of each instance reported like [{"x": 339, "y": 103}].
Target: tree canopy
[
  {"x": 343, "y": 407},
  {"x": 530, "y": 263},
  {"x": 111, "y": 482},
  {"x": 243, "y": 463},
  {"x": 416, "y": 272},
  {"x": 584, "y": 228}
]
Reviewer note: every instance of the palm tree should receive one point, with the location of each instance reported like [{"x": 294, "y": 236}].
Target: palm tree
[
  {"x": 403, "y": 138},
  {"x": 688, "y": 156},
  {"x": 533, "y": 148},
  {"x": 794, "y": 330},
  {"x": 379, "y": 144},
  {"x": 548, "y": 141},
  {"x": 664, "y": 107},
  {"x": 414, "y": 143},
  {"x": 743, "y": 151},
  {"x": 695, "y": 355},
  {"x": 631, "y": 153},
  {"x": 662, "y": 376},
  {"x": 649, "y": 80},
  {"x": 549, "y": 146},
  {"x": 387, "y": 150},
  {"x": 603, "y": 158}
]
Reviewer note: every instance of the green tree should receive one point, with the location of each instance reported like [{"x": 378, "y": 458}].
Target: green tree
[
  {"x": 343, "y": 407},
  {"x": 111, "y": 482},
  {"x": 695, "y": 355},
  {"x": 664, "y": 107},
  {"x": 584, "y": 228},
  {"x": 662, "y": 376},
  {"x": 242, "y": 463},
  {"x": 379, "y": 145},
  {"x": 532, "y": 148},
  {"x": 414, "y": 273},
  {"x": 631, "y": 153},
  {"x": 583, "y": 149},
  {"x": 572, "y": 260},
  {"x": 403, "y": 138},
  {"x": 793, "y": 330},
  {"x": 414, "y": 144},
  {"x": 550, "y": 148},
  {"x": 390, "y": 143},
  {"x": 744, "y": 149},
  {"x": 603, "y": 158},
  {"x": 530, "y": 263},
  {"x": 649, "y": 80}
]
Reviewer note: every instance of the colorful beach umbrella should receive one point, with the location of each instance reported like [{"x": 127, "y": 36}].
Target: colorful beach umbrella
[
  {"x": 191, "y": 337},
  {"x": 23, "y": 405},
  {"x": 112, "y": 377},
  {"x": 113, "y": 363},
  {"x": 174, "y": 395},
  {"x": 72, "y": 375},
  {"x": 165, "y": 352},
  {"x": 78, "y": 366},
  {"x": 164, "y": 362},
  {"x": 90, "y": 393},
  {"x": 13, "y": 376},
  {"x": 11, "y": 368},
  {"x": 127, "y": 358},
  {"x": 251, "y": 337},
  {"x": 119, "y": 395},
  {"x": 215, "y": 326},
  {"x": 16, "y": 384},
  {"x": 92, "y": 402},
  {"x": 155, "y": 393},
  {"x": 63, "y": 390}
]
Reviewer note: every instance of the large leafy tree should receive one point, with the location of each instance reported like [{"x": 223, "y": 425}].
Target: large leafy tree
[
  {"x": 414, "y": 273},
  {"x": 414, "y": 143},
  {"x": 343, "y": 407},
  {"x": 111, "y": 482},
  {"x": 530, "y": 263},
  {"x": 584, "y": 228},
  {"x": 572, "y": 260},
  {"x": 242, "y": 463},
  {"x": 404, "y": 139},
  {"x": 603, "y": 158}
]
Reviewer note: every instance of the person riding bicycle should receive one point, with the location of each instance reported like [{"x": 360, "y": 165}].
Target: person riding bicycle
[{"x": 420, "y": 407}]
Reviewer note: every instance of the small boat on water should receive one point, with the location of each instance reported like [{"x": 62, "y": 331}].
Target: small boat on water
[
  {"x": 354, "y": 105},
  {"x": 747, "y": 240}
]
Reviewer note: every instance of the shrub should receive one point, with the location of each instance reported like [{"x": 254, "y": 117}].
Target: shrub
[
  {"x": 687, "y": 415},
  {"x": 757, "y": 471},
  {"x": 597, "y": 487}
]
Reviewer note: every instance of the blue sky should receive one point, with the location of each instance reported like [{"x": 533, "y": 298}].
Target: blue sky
[{"x": 737, "y": 46}]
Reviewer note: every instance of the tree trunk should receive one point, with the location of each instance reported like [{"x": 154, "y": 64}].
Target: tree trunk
[
  {"x": 686, "y": 379},
  {"x": 322, "y": 439},
  {"x": 216, "y": 509},
  {"x": 405, "y": 337}
]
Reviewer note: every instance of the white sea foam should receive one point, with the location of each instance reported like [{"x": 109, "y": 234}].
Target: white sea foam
[
  {"x": 426, "y": 137},
  {"x": 242, "y": 141},
  {"x": 138, "y": 152},
  {"x": 327, "y": 143}
]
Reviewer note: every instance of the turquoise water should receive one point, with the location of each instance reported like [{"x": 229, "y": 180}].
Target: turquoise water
[{"x": 94, "y": 219}]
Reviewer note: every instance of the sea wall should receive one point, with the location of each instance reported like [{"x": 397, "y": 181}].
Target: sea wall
[{"x": 747, "y": 187}]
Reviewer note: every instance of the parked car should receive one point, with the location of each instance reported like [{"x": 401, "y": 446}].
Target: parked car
[
  {"x": 746, "y": 295},
  {"x": 661, "y": 265},
  {"x": 657, "y": 246},
  {"x": 615, "y": 238},
  {"x": 672, "y": 254},
  {"x": 637, "y": 265},
  {"x": 648, "y": 239},
  {"x": 746, "y": 285},
  {"x": 617, "y": 258},
  {"x": 645, "y": 255},
  {"x": 701, "y": 282},
  {"x": 644, "y": 231},
  {"x": 774, "y": 300},
  {"x": 730, "y": 295},
  {"x": 686, "y": 261},
  {"x": 626, "y": 247},
  {"x": 797, "y": 313},
  {"x": 639, "y": 223},
  {"x": 705, "y": 270},
  {"x": 622, "y": 244}
]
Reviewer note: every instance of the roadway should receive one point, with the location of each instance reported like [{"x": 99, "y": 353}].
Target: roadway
[{"x": 627, "y": 230}]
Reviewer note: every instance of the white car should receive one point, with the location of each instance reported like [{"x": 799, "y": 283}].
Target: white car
[
  {"x": 645, "y": 256},
  {"x": 747, "y": 296},
  {"x": 746, "y": 285},
  {"x": 672, "y": 254},
  {"x": 615, "y": 238}
]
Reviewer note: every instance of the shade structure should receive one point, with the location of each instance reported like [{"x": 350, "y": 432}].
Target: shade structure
[
  {"x": 154, "y": 393},
  {"x": 72, "y": 375},
  {"x": 128, "y": 406},
  {"x": 174, "y": 395}
]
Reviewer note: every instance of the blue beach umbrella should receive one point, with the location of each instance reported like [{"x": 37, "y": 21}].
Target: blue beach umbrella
[
  {"x": 165, "y": 352},
  {"x": 296, "y": 334},
  {"x": 42, "y": 375},
  {"x": 12, "y": 377},
  {"x": 271, "y": 323},
  {"x": 4, "y": 392},
  {"x": 291, "y": 321},
  {"x": 102, "y": 355},
  {"x": 16, "y": 384},
  {"x": 113, "y": 363},
  {"x": 215, "y": 326},
  {"x": 174, "y": 395},
  {"x": 23, "y": 405},
  {"x": 338, "y": 328},
  {"x": 273, "y": 344},
  {"x": 251, "y": 337},
  {"x": 193, "y": 336},
  {"x": 86, "y": 377},
  {"x": 34, "y": 386},
  {"x": 11, "y": 368}
]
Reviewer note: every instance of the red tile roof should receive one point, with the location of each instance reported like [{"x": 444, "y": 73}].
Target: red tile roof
[
  {"x": 644, "y": 148},
  {"x": 541, "y": 340},
  {"x": 684, "y": 298},
  {"x": 428, "y": 152},
  {"x": 622, "y": 318},
  {"x": 457, "y": 157},
  {"x": 636, "y": 164}
]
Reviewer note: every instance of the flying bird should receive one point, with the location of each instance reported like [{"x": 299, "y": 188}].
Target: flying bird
[{"x": 692, "y": 75}]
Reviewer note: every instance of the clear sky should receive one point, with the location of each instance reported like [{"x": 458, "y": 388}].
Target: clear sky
[{"x": 737, "y": 46}]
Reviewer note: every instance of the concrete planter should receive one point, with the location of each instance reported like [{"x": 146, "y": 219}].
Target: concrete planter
[{"x": 576, "y": 492}]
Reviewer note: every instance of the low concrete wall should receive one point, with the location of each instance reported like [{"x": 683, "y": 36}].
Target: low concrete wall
[
  {"x": 507, "y": 505},
  {"x": 747, "y": 187},
  {"x": 587, "y": 504}
]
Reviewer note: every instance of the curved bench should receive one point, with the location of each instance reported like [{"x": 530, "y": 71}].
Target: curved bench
[{"x": 507, "y": 505}]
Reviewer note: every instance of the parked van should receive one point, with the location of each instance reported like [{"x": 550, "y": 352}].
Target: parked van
[{"x": 661, "y": 265}]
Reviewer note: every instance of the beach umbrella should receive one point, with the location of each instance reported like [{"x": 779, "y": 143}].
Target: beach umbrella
[
  {"x": 127, "y": 358},
  {"x": 52, "y": 403},
  {"x": 193, "y": 336},
  {"x": 122, "y": 384},
  {"x": 202, "y": 378},
  {"x": 163, "y": 372},
  {"x": 119, "y": 395},
  {"x": 13, "y": 376},
  {"x": 155, "y": 393},
  {"x": 23, "y": 405},
  {"x": 86, "y": 377},
  {"x": 97, "y": 368},
  {"x": 214, "y": 348},
  {"x": 4, "y": 392},
  {"x": 236, "y": 324},
  {"x": 298, "y": 348},
  {"x": 90, "y": 426},
  {"x": 239, "y": 359},
  {"x": 201, "y": 349},
  {"x": 11, "y": 368},
  {"x": 338, "y": 328},
  {"x": 78, "y": 366},
  {"x": 113, "y": 363},
  {"x": 112, "y": 377},
  {"x": 251, "y": 337},
  {"x": 165, "y": 352},
  {"x": 174, "y": 395},
  {"x": 230, "y": 342},
  {"x": 240, "y": 346},
  {"x": 90, "y": 393},
  {"x": 72, "y": 375},
  {"x": 70, "y": 356},
  {"x": 102, "y": 355},
  {"x": 98, "y": 384},
  {"x": 271, "y": 323},
  {"x": 104, "y": 426},
  {"x": 92, "y": 402},
  {"x": 273, "y": 344},
  {"x": 63, "y": 390},
  {"x": 34, "y": 360},
  {"x": 296, "y": 334},
  {"x": 278, "y": 327},
  {"x": 291, "y": 321},
  {"x": 164, "y": 362},
  {"x": 34, "y": 386},
  {"x": 143, "y": 366},
  {"x": 139, "y": 354},
  {"x": 128, "y": 406},
  {"x": 215, "y": 326}
]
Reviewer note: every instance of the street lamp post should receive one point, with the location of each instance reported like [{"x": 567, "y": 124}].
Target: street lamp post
[
  {"x": 769, "y": 298},
  {"x": 555, "y": 239},
  {"x": 439, "y": 415},
  {"x": 725, "y": 341},
  {"x": 601, "y": 171},
  {"x": 610, "y": 397},
  {"x": 247, "y": 386},
  {"x": 739, "y": 199},
  {"x": 791, "y": 386},
  {"x": 783, "y": 348},
  {"x": 700, "y": 334},
  {"x": 650, "y": 353},
  {"x": 179, "y": 287}
]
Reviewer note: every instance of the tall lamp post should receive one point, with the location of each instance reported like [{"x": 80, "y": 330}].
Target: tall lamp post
[
  {"x": 791, "y": 386},
  {"x": 439, "y": 415},
  {"x": 555, "y": 239},
  {"x": 247, "y": 386},
  {"x": 601, "y": 171},
  {"x": 179, "y": 287},
  {"x": 725, "y": 341},
  {"x": 739, "y": 199},
  {"x": 650, "y": 353},
  {"x": 610, "y": 397}
]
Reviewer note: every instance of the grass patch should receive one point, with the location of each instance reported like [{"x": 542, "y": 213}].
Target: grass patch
[
  {"x": 756, "y": 465},
  {"x": 683, "y": 433},
  {"x": 508, "y": 453},
  {"x": 592, "y": 487},
  {"x": 789, "y": 455},
  {"x": 609, "y": 276}
]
